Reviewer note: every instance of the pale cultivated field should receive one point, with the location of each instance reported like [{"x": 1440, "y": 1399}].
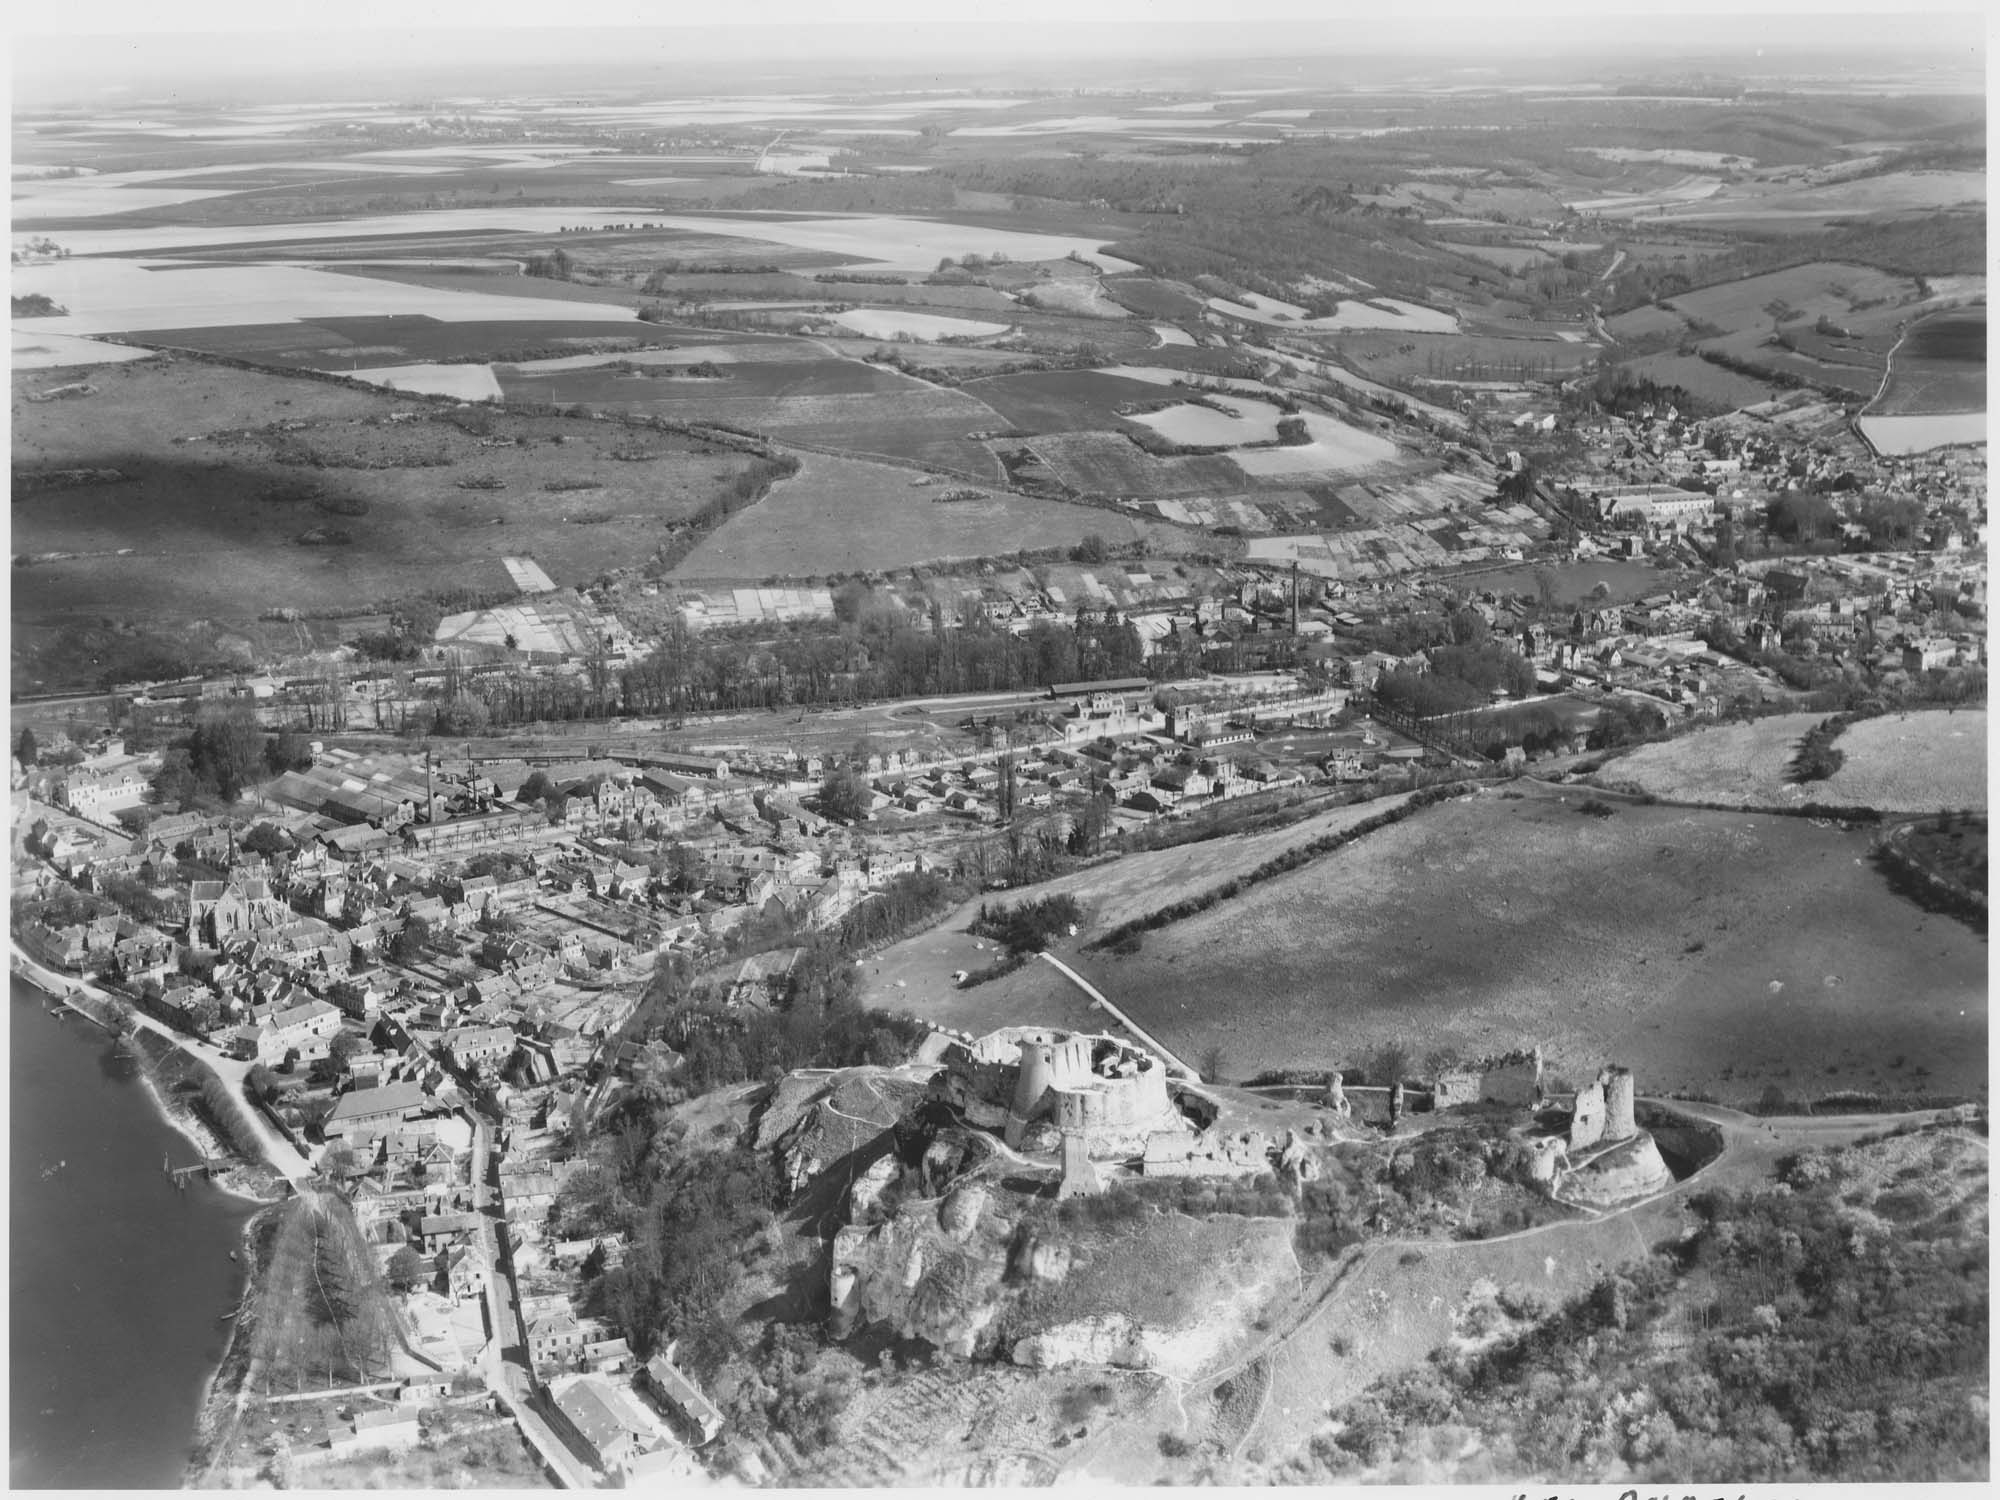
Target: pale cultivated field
[
  {"x": 1898, "y": 763},
  {"x": 467, "y": 382},
  {"x": 892, "y": 243},
  {"x": 118, "y": 296},
  {"x": 41, "y": 350},
  {"x": 1255, "y": 422},
  {"x": 1919, "y": 762},
  {"x": 1898, "y": 436},
  {"x": 1402, "y": 317},
  {"x": 1740, "y": 764},
  {"x": 1334, "y": 446},
  {"x": 1169, "y": 334},
  {"x": 878, "y": 323},
  {"x": 429, "y": 222}
]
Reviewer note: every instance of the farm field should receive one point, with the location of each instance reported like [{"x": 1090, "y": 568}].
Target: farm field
[
  {"x": 882, "y": 323},
  {"x": 1507, "y": 257},
  {"x": 1719, "y": 951},
  {"x": 915, "y": 974},
  {"x": 1898, "y": 763},
  {"x": 655, "y": 386},
  {"x": 1893, "y": 191},
  {"x": 1901, "y": 436},
  {"x": 190, "y": 534},
  {"x": 342, "y": 345},
  {"x": 1466, "y": 356},
  {"x": 844, "y": 515},
  {"x": 1150, "y": 298},
  {"x": 1350, "y": 316},
  {"x": 1109, "y": 463},
  {"x": 113, "y": 296},
  {"x": 1063, "y": 400},
  {"x": 1938, "y": 368},
  {"x": 1701, "y": 379},
  {"x": 1823, "y": 287},
  {"x": 1920, "y": 762}
]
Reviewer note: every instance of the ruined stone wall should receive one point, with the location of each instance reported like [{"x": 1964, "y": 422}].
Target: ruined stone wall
[
  {"x": 1586, "y": 1125},
  {"x": 1096, "y": 1104},
  {"x": 1514, "y": 1080},
  {"x": 1618, "y": 1092}
]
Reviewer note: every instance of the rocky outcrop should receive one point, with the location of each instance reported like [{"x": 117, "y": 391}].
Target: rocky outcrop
[
  {"x": 1631, "y": 1170},
  {"x": 1108, "y": 1339}
]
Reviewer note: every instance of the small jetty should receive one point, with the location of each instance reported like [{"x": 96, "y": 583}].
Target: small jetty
[{"x": 181, "y": 1175}]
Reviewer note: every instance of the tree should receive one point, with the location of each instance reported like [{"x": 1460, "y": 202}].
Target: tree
[
  {"x": 288, "y": 750},
  {"x": 407, "y": 946},
  {"x": 25, "y": 748},
  {"x": 1092, "y": 549},
  {"x": 264, "y": 838},
  {"x": 535, "y": 788},
  {"x": 261, "y": 1084},
  {"x": 225, "y": 750},
  {"x": 843, "y": 795},
  {"x": 407, "y": 1271}
]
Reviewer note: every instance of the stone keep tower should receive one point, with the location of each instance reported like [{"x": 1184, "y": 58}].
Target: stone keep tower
[{"x": 1619, "y": 1124}]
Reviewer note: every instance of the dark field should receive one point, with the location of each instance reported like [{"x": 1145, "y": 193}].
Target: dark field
[
  {"x": 654, "y": 390},
  {"x": 1166, "y": 300},
  {"x": 1107, "y": 463},
  {"x": 1065, "y": 400},
  {"x": 191, "y": 534},
  {"x": 336, "y": 344},
  {"x": 1939, "y": 367},
  {"x": 1718, "y": 951}
]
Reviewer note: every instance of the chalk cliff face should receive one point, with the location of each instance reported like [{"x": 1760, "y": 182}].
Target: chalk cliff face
[
  {"x": 984, "y": 1271},
  {"x": 1633, "y": 1170}
]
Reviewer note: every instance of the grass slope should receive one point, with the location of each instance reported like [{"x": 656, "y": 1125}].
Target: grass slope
[
  {"x": 188, "y": 536},
  {"x": 1707, "y": 950},
  {"x": 844, "y": 515},
  {"x": 1899, "y": 763}
]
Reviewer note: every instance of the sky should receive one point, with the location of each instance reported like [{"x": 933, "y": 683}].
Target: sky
[{"x": 149, "y": 45}]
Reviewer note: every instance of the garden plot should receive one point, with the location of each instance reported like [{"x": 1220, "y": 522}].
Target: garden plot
[{"x": 880, "y": 323}]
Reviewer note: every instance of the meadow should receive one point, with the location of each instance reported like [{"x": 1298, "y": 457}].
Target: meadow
[
  {"x": 1923, "y": 761},
  {"x": 1718, "y": 951},
  {"x": 1699, "y": 378},
  {"x": 845, "y": 515},
  {"x": 227, "y": 469}
]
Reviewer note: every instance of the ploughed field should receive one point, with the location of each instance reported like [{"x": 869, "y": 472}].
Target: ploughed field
[{"x": 1727, "y": 952}]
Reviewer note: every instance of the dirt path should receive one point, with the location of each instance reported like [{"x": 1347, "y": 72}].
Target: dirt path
[{"x": 1385, "y": 1305}]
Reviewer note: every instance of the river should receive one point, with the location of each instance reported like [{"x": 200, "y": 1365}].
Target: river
[{"x": 118, "y": 1281}]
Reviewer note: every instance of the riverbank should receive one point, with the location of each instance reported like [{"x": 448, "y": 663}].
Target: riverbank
[
  {"x": 105, "y": 1245},
  {"x": 93, "y": 1003}
]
